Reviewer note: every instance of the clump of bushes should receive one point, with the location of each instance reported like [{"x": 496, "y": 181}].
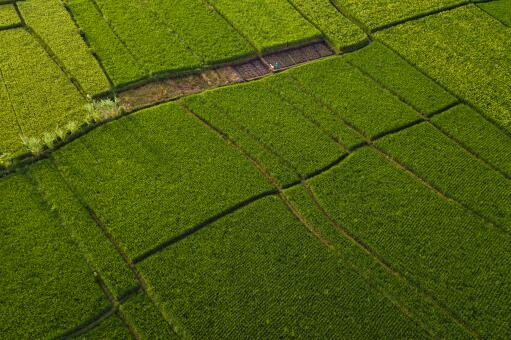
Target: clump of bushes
[
  {"x": 103, "y": 110},
  {"x": 97, "y": 112}
]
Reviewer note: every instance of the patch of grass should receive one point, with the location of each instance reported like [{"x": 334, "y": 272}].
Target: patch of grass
[
  {"x": 270, "y": 25},
  {"x": 338, "y": 30},
  {"x": 156, "y": 173},
  {"x": 117, "y": 60},
  {"x": 443, "y": 46},
  {"x": 402, "y": 78},
  {"x": 436, "y": 158},
  {"x": 445, "y": 250},
  {"x": 47, "y": 287},
  {"x": 52, "y": 23},
  {"x": 260, "y": 273},
  {"x": 146, "y": 319},
  {"x": 482, "y": 137},
  {"x": 353, "y": 96}
]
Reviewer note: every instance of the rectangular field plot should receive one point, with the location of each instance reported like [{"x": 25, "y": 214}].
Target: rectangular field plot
[
  {"x": 39, "y": 93},
  {"x": 203, "y": 30},
  {"x": 50, "y": 20},
  {"x": 277, "y": 126},
  {"x": 47, "y": 287},
  {"x": 452, "y": 170},
  {"x": 443, "y": 252},
  {"x": 155, "y": 45},
  {"x": 8, "y": 17},
  {"x": 337, "y": 29},
  {"x": 260, "y": 273},
  {"x": 479, "y": 135},
  {"x": 353, "y": 96},
  {"x": 270, "y": 25},
  {"x": 98, "y": 250},
  {"x": 443, "y": 46},
  {"x": 375, "y": 13},
  {"x": 118, "y": 61},
  {"x": 155, "y": 174},
  {"x": 388, "y": 68}
]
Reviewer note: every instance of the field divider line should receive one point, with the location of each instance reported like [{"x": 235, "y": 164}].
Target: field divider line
[
  {"x": 51, "y": 54},
  {"x": 426, "y": 14},
  {"x": 348, "y": 15},
  {"x": 8, "y": 93},
  {"x": 162, "y": 246},
  {"x": 308, "y": 118},
  {"x": 140, "y": 64},
  {"x": 113, "y": 301},
  {"x": 131, "y": 265},
  {"x": 388, "y": 266},
  {"x": 11, "y": 27},
  {"x": 427, "y": 117},
  {"x": 95, "y": 322},
  {"x": 170, "y": 29},
  {"x": 87, "y": 43},
  {"x": 383, "y": 153},
  {"x": 491, "y": 15},
  {"x": 460, "y": 99},
  {"x": 279, "y": 192},
  {"x": 210, "y": 5}
]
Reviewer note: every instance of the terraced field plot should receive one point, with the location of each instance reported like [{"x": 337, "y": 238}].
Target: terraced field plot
[{"x": 257, "y": 183}]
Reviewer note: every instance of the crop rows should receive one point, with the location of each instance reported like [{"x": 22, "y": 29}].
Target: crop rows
[
  {"x": 268, "y": 25},
  {"x": 340, "y": 32},
  {"x": 310, "y": 203},
  {"x": 184, "y": 176},
  {"x": 469, "y": 181},
  {"x": 285, "y": 282},
  {"x": 50, "y": 21},
  {"x": 501, "y": 10},
  {"x": 475, "y": 74},
  {"x": 382, "y": 12},
  {"x": 8, "y": 17},
  {"x": 39, "y": 105},
  {"x": 58, "y": 289}
]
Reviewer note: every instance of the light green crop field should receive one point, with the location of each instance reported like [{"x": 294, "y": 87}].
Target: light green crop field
[{"x": 360, "y": 193}]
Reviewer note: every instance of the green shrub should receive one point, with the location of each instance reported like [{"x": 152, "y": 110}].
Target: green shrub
[{"x": 33, "y": 144}]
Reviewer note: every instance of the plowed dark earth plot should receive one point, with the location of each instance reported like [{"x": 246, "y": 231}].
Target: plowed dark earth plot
[{"x": 260, "y": 169}]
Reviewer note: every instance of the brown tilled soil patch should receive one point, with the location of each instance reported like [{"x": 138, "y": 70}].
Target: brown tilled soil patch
[{"x": 166, "y": 90}]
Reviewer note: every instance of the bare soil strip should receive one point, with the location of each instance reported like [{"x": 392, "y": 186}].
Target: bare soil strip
[{"x": 161, "y": 91}]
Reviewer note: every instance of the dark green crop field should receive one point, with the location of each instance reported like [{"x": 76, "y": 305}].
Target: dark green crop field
[{"x": 262, "y": 169}]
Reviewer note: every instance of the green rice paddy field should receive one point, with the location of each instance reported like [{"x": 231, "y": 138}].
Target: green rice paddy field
[{"x": 363, "y": 195}]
